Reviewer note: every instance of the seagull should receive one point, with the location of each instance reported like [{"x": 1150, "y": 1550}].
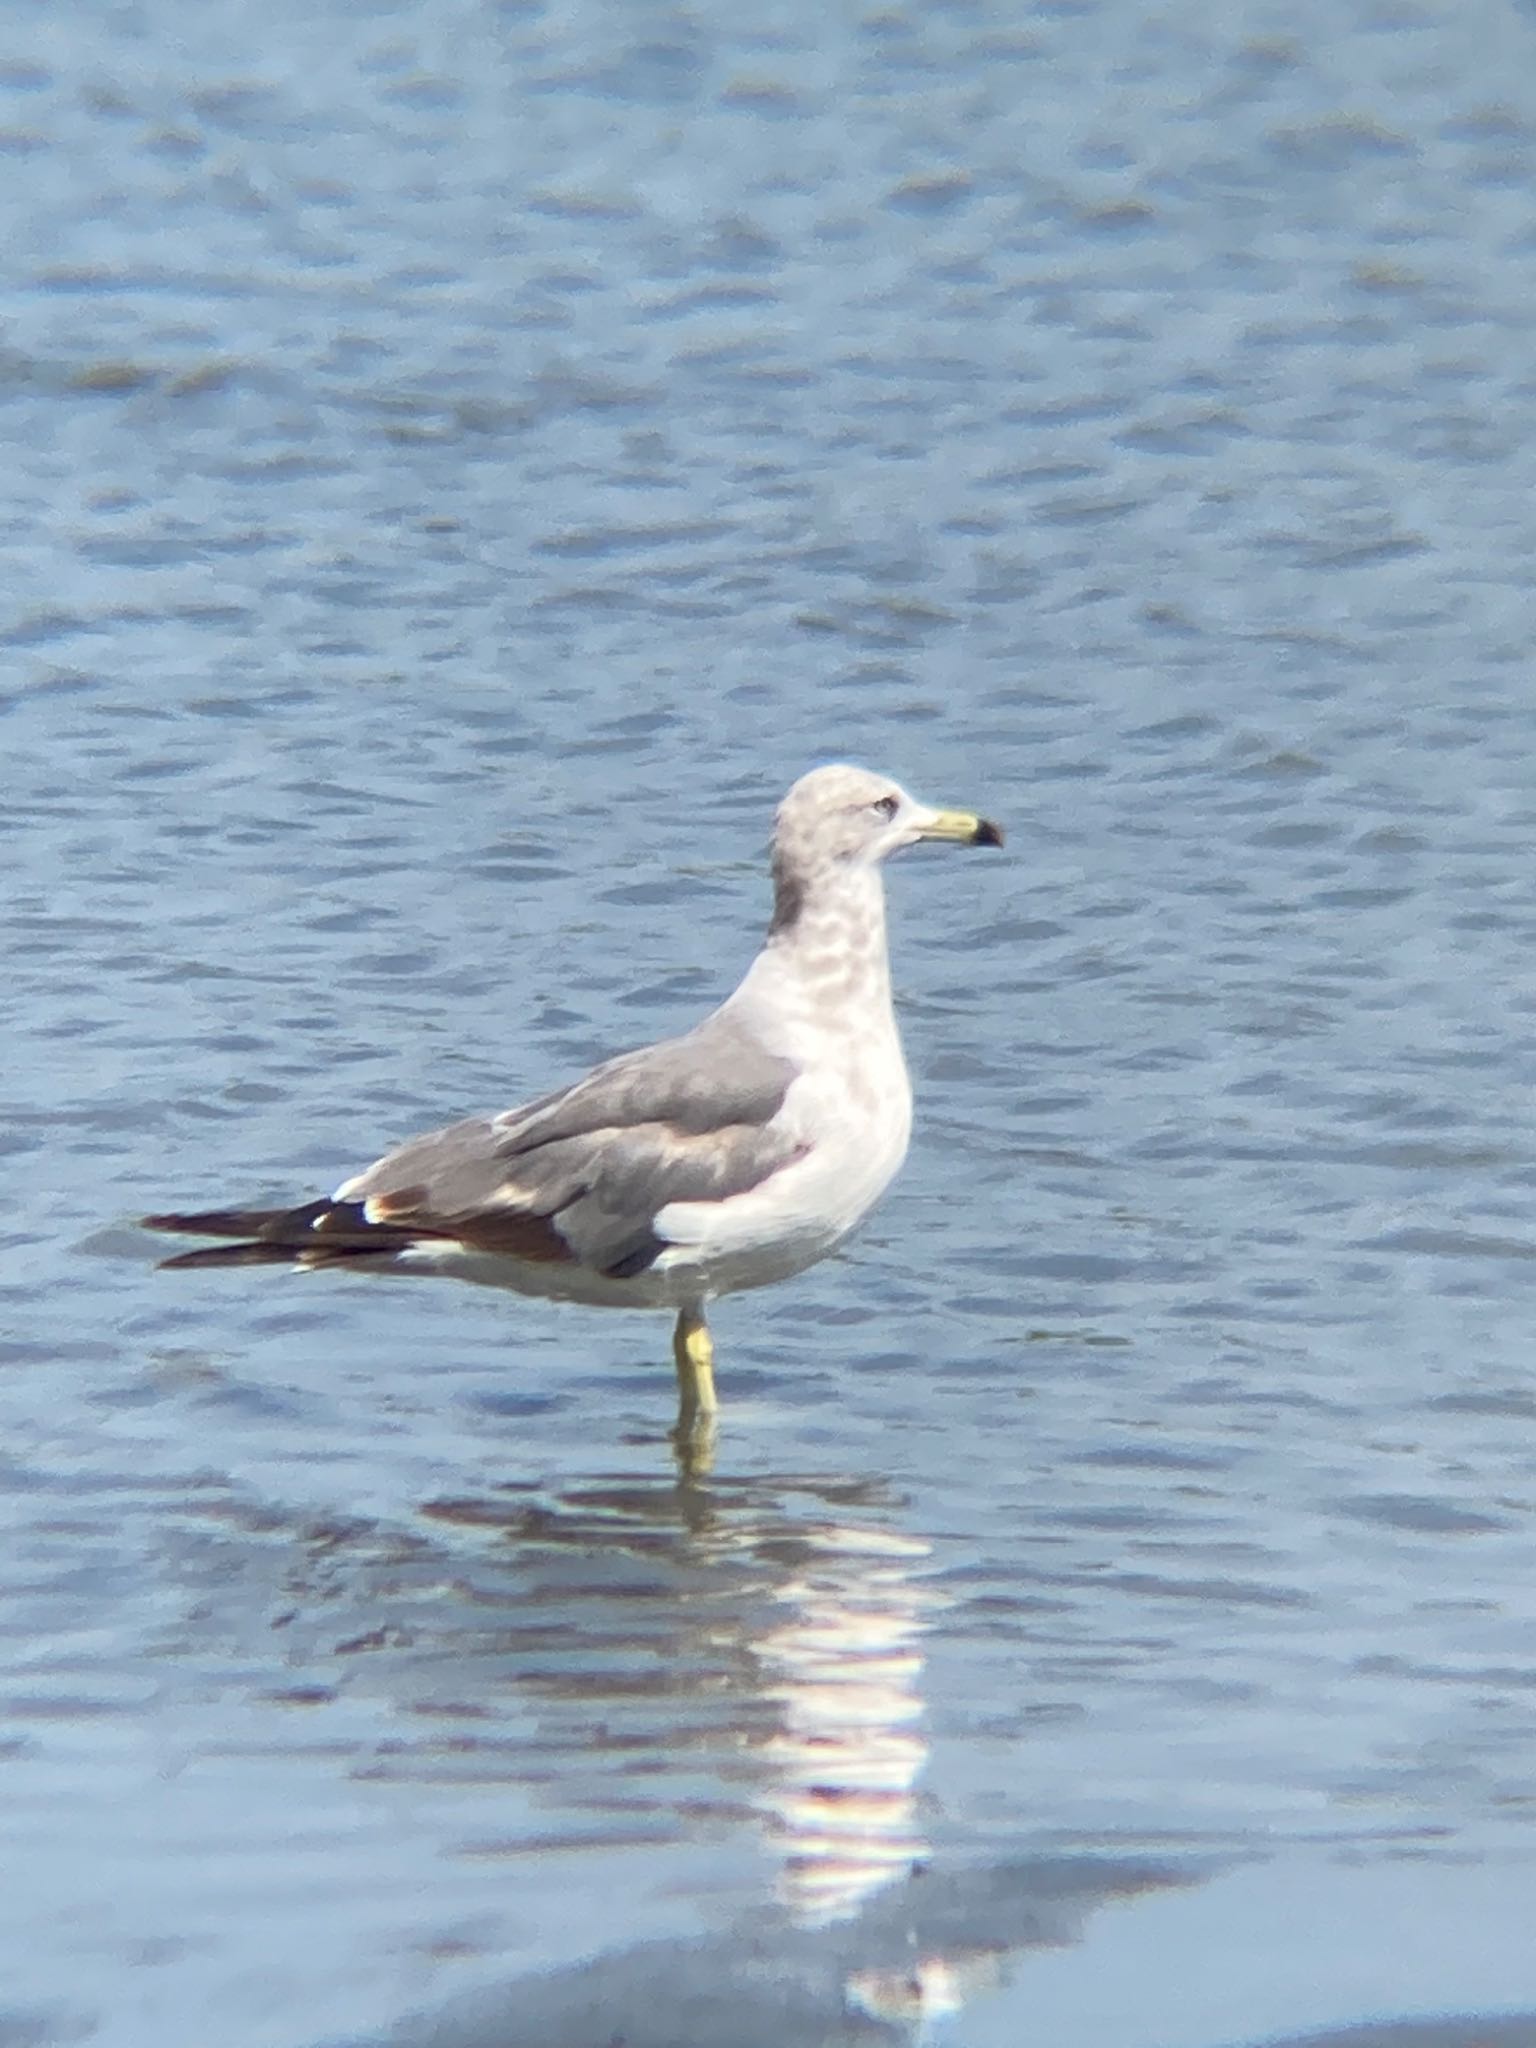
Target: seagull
[{"x": 738, "y": 1154}]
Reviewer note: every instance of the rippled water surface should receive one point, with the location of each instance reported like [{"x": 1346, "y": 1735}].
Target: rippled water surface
[{"x": 458, "y": 463}]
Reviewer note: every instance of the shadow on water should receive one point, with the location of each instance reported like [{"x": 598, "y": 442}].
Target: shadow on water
[
  {"x": 662, "y": 1660},
  {"x": 1509, "y": 2030},
  {"x": 915, "y": 1955}
]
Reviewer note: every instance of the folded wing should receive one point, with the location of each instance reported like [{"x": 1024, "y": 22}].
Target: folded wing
[{"x": 581, "y": 1175}]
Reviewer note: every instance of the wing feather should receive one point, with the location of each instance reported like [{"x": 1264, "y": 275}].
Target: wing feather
[{"x": 585, "y": 1173}]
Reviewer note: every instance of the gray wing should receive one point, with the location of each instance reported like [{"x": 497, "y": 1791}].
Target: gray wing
[{"x": 583, "y": 1174}]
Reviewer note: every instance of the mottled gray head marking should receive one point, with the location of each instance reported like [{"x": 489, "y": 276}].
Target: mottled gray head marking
[
  {"x": 840, "y": 820},
  {"x": 832, "y": 818}
]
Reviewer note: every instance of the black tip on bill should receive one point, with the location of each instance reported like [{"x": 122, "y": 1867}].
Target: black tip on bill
[{"x": 986, "y": 833}]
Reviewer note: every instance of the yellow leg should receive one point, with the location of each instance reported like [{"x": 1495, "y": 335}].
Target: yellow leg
[
  {"x": 693, "y": 1438},
  {"x": 695, "y": 1355}
]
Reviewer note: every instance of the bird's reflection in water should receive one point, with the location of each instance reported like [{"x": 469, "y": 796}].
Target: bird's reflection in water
[
  {"x": 624, "y": 1663},
  {"x": 783, "y": 1615},
  {"x": 843, "y": 1667}
]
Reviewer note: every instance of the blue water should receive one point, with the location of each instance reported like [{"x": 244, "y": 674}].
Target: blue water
[{"x": 458, "y": 464}]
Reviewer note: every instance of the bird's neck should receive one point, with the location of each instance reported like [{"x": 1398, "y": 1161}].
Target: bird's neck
[{"x": 831, "y": 932}]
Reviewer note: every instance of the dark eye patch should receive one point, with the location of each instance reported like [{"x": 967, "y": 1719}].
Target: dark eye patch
[{"x": 887, "y": 806}]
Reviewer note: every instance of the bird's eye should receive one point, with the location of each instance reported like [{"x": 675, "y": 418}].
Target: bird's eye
[{"x": 886, "y": 806}]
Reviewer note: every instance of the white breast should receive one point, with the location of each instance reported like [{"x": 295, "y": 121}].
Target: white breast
[{"x": 854, "y": 1116}]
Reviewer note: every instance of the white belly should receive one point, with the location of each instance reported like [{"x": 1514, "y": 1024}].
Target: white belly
[{"x": 804, "y": 1211}]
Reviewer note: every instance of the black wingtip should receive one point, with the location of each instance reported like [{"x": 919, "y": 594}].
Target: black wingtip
[
  {"x": 213, "y": 1222},
  {"x": 230, "y": 1255}
]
